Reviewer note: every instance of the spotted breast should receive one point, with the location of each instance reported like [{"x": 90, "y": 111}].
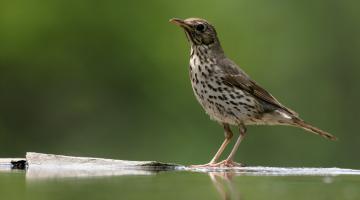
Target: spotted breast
[{"x": 223, "y": 102}]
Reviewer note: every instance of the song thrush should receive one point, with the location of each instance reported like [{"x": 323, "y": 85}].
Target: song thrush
[{"x": 228, "y": 94}]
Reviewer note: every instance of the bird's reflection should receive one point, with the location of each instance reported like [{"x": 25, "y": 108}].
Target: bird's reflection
[{"x": 224, "y": 184}]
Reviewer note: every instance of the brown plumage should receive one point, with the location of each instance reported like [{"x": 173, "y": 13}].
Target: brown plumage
[{"x": 227, "y": 93}]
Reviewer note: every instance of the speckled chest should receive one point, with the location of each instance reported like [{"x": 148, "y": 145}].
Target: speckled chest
[{"x": 223, "y": 103}]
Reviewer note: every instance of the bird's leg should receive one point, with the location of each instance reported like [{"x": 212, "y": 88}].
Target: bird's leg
[
  {"x": 228, "y": 135},
  {"x": 229, "y": 162}
]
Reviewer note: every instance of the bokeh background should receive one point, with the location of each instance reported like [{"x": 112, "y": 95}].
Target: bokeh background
[{"x": 110, "y": 79}]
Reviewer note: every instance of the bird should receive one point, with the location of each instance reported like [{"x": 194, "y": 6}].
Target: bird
[{"x": 227, "y": 94}]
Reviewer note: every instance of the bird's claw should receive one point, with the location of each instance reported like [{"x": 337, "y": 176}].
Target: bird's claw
[
  {"x": 224, "y": 163},
  {"x": 229, "y": 163},
  {"x": 204, "y": 165}
]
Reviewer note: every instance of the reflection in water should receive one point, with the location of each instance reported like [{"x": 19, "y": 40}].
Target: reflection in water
[
  {"x": 278, "y": 171},
  {"x": 216, "y": 174},
  {"x": 247, "y": 183},
  {"x": 49, "y": 173},
  {"x": 223, "y": 182}
]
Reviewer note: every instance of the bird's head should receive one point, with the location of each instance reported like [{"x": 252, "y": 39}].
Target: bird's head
[{"x": 198, "y": 31}]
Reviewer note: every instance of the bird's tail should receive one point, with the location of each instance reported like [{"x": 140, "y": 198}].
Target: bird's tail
[{"x": 301, "y": 124}]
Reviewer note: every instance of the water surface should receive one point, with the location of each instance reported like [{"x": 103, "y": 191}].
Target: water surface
[{"x": 180, "y": 185}]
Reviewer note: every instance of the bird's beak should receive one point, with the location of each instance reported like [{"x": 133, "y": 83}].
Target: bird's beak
[{"x": 180, "y": 23}]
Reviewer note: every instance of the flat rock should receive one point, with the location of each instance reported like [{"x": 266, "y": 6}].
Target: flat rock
[
  {"x": 71, "y": 162},
  {"x": 52, "y": 166}
]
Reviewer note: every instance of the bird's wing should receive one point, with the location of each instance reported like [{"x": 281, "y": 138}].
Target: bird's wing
[{"x": 242, "y": 81}]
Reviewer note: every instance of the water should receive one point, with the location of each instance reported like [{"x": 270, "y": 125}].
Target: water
[{"x": 179, "y": 185}]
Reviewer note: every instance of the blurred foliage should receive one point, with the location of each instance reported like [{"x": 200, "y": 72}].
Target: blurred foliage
[{"x": 109, "y": 78}]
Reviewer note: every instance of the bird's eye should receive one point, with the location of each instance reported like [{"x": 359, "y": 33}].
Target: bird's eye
[{"x": 200, "y": 27}]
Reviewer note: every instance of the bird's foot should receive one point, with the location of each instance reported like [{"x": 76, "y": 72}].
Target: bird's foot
[
  {"x": 229, "y": 163},
  {"x": 224, "y": 163},
  {"x": 210, "y": 164}
]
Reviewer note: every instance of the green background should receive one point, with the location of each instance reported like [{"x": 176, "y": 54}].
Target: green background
[{"x": 110, "y": 79}]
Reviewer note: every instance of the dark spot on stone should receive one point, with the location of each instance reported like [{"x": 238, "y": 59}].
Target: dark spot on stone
[{"x": 20, "y": 164}]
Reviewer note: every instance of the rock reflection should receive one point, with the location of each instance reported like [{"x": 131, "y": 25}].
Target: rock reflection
[
  {"x": 223, "y": 182},
  {"x": 49, "y": 173}
]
